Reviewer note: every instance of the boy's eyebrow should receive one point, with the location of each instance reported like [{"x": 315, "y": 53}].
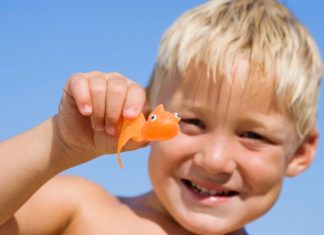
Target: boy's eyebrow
[
  {"x": 271, "y": 124},
  {"x": 194, "y": 107}
]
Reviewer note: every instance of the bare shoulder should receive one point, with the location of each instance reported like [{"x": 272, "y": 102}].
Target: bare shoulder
[
  {"x": 100, "y": 213},
  {"x": 78, "y": 194},
  {"x": 95, "y": 210},
  {"x": 80, "y": 189},
  {"x": 70, "y": 205},
  {"x": 73, "y": 192},
  {"x": 57, "y": 205}
]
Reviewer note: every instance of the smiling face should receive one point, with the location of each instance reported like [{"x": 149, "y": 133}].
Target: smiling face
[{"x": 227, "y": 165}]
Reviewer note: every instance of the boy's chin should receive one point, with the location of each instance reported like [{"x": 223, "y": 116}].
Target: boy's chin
[{"x": 202, "y": 223}]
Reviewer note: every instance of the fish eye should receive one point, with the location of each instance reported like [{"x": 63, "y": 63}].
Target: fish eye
[
  {"x": 177, "y": 115},
  {"x": 153, "y": 117}
]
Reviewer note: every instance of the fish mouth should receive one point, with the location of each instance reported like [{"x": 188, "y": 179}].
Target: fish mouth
[{"x": 209, "y": 191}]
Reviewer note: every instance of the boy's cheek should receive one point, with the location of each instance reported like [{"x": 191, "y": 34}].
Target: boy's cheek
[
  {"x": 165, "y": 155},
  {"x": 265, "y": 176},
  {"x": 162, "y": 150},
  {"x": 173, "y": 148}
]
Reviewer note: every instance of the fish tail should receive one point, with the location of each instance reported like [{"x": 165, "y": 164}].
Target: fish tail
[
  {"x": 121, "y": 142},
  {"x": 129, "y": 129},
  {"x": 119, "y": 161}
]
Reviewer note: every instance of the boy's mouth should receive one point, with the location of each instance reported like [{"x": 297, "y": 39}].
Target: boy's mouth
[{"x": 208, "y": 192}]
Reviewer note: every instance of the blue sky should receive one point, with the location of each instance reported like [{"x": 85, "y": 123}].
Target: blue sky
[{"x": 43, "y": 42}]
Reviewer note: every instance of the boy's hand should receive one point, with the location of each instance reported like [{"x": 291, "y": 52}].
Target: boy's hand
[{"x": 91, "y": 108}]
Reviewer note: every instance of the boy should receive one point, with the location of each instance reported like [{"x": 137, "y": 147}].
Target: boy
[{"x": 244, "y": 76}]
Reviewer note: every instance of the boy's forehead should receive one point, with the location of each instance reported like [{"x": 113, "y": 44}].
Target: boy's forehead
[
  {"x": 208, "y": 95},
  {"x": 194, "y": 86}
]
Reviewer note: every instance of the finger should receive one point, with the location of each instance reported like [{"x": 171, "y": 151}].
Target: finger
[
  {"x": 134, "y": 102},
  {"x": 78, "y": 89},
  {"x": 116, "y": 93},
  {"x": 97, "y": 85}
]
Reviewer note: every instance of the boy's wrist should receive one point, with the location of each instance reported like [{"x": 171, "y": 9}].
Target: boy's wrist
[{"x": 65, "y": 154}]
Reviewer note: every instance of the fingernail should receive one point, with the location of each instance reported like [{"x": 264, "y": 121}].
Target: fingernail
[
  {"x": 86, "y": 109},
  {"x": 130, "y": 112},
  {"x": 111, "y": 130}
]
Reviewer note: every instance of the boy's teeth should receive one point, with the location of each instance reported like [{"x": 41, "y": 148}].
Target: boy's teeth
[{"x": 206, "y": 191}]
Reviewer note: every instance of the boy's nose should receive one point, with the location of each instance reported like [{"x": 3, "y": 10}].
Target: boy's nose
[{"x": 217, "y": 157}]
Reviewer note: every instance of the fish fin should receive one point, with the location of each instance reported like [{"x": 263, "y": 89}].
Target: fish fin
[
  {"x": 129, "y": 129},
  {"x": 159, "y": 109}
]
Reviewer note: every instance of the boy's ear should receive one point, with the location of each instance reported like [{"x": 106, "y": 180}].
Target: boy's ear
[{"x": 304, "y": 155}]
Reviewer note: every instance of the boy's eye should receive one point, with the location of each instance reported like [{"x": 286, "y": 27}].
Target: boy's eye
[
  {"x": 192, "y": 126},
  {"x": 252, "y": 135},
  {"x": 195, "y": 122}
]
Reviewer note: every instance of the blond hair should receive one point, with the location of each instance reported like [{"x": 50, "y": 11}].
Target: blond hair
[{"x": 211, "y": 36}]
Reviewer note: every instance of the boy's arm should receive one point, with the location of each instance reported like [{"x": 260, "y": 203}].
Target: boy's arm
[
  {"x": 75, "y": 135},
  {"x": 27, "y": 162}
]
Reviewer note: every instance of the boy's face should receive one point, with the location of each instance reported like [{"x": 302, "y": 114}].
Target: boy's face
[{"x": 227, "y": 165}]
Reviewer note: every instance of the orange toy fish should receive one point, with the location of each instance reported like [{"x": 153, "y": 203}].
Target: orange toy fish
[{"x": 160, "y": 125}]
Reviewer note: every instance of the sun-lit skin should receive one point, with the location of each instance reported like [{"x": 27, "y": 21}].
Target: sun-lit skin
[
  {"x": 222, "y": 171},
  {"x": 232, "y": 139}
]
